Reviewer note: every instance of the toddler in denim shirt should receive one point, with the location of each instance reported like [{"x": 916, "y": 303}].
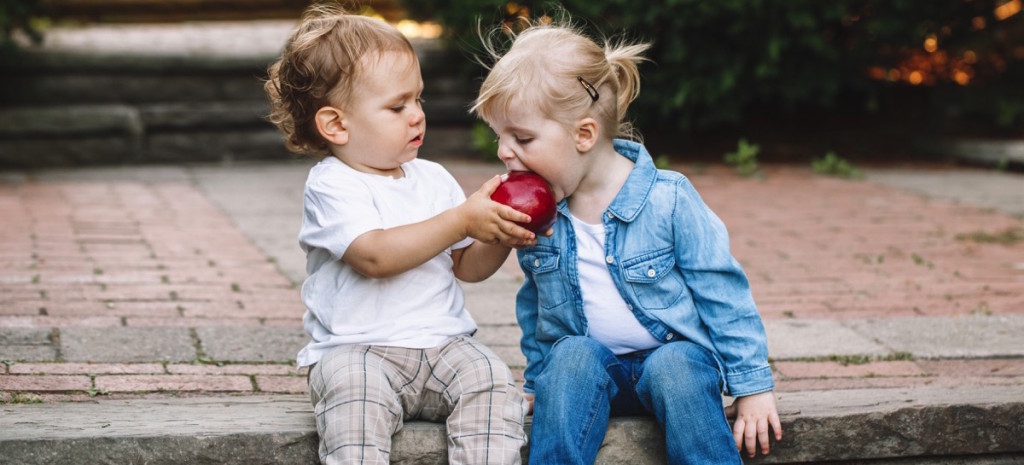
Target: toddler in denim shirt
[{"x": 632, "y": 304}]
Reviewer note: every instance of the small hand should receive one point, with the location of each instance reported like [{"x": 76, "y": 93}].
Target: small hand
[
  {"x": 754, "y": 414},
  {"x": 493, "y": 223},
  {"x": 529, "y": 399}
]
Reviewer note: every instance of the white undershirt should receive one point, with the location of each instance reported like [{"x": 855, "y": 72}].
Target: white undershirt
[{"x": 609, "y": 320}]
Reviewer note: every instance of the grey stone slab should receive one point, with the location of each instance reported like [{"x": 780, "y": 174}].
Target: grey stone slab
[
  {"x": 28, "y": 353},
  {"x": 979, "y": 188},
  {"x": 69, "y": 120},
  {"x": 511, "y": 355},
  {"x": 204, "y": 115},
  {"x": 499, "y": 335},
  {"x": 213, "y": 145},
  {"x": 931, "y": 425},
  {"x": 221, "y": 40},
  {"x": 988, "y": 152},
  {"x": 252, "y": 344},
  {"x": 265, "y": 201},
  {"x": 492, "y": 301},
  {"x": 25, "y": 336},
  {"x": 811, "y": 338},
  {"x": 949, "y": 337},
  {"x": 127, "y": 344},
  {"x": 142, "y": 174},
  {"x": 45, "y": 152},
  {"x": 27, "y": 345}
]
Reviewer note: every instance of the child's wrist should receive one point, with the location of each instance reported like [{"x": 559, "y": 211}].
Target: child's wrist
[{"x": 460, "y": 219}]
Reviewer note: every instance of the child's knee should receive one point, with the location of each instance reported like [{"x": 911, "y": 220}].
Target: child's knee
[
  {"x": 577, "y": 353},
  {"x": 577, "y": 361},
  {"x": 682, "y": 367}
]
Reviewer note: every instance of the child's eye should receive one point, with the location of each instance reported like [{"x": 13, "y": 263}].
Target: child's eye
[
  {"x": 523, "y": 140},
  {"x": 398, "y": 109},
  {"x": 420, "y": 100}
]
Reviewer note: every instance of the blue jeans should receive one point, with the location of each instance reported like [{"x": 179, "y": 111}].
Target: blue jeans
[{"x": 583, "y": 384}]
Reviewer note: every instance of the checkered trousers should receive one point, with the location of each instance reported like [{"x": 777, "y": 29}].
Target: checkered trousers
[{"x": 362, "y": 395}]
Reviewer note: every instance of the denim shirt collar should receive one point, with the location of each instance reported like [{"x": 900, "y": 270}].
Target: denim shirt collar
[{"x": 634, "y": 193}]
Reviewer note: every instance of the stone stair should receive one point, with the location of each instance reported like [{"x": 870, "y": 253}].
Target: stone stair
[
  {"x": 933, "y": 426},
  {"x": 80, "y": 103}
]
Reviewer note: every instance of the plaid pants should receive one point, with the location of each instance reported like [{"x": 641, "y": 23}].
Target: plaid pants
[{"x": 362, "y": 394}]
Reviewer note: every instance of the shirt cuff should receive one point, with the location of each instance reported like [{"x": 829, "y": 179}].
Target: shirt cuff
[{"x": 750, "y": 382}]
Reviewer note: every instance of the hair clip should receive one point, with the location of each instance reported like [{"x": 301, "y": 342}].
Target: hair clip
[{"x": 591, "y": 90}]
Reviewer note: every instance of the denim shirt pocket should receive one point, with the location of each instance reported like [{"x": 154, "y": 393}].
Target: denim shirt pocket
[
  {"x": 543, "y": 264},
  {"x": 655, "y": 281}
]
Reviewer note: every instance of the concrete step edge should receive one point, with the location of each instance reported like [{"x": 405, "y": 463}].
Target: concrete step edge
[{"x": 819, "y": 426}]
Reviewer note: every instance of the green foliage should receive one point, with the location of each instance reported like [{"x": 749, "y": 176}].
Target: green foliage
[
  {"x": 663, "y": 162},
  {"x": 1009, "y": 236},
  {"x": 484, "y": 141},
  {"x": 717, "y": 63},
  {"x": 22, "y": 398},
  {"x": 18, "y": 15},
  {"x": 744, "y": 159},
  {"x": 834, "y": 165}
]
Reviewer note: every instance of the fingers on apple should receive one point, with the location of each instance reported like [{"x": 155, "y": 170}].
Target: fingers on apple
[
  {"x": 516, "y": 216},
  {"x": 491, "y": 185}
]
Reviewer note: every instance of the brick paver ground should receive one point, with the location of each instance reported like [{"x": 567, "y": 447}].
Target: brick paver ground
[
  {"x": 106, "y": 286},
  {"x": 130, "y": 288}
]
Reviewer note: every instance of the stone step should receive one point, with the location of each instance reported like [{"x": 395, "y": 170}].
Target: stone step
[
  {"x": 60, "y": 77},
  {"x": 48, "y": 136},
  {"x": 934, "y": 425},
  {"x": 75, "y": 107}
]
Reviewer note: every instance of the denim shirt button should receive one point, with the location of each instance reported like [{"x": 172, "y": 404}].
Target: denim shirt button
[
  {"x": 610, "y": 259},
  {"x": 670, "y": 337},
  {"x": 536, "y": 262},
  {"x": 651, "y": 273}
]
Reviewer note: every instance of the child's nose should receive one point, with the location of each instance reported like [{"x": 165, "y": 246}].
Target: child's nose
[
  {"x": 505, "y": 154},
  {"x": 417, "y": 116},
  {"x": 510, "y": 159}
]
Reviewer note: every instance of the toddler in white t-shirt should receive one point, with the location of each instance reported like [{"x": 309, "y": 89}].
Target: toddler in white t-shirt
[{"x": 386, "y": 235}]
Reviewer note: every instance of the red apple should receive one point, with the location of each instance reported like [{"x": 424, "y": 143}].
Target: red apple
[{"x": 529, "y": 193}]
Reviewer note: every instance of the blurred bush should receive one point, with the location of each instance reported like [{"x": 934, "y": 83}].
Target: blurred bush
[
  {"x": 17, "y": 16},
  {"x": 718, "y": 63}
]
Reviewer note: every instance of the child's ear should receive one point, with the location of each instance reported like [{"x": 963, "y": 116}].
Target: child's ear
[
  {"x": 586, "y": 134},
  {"x": 330, "y": 123}
]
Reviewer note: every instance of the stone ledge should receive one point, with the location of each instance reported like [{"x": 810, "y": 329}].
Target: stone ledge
[
  {"x": 969, "y": 425},
  {"x": 216, "y": 131},
  {"x": 1000, "y": 154}
]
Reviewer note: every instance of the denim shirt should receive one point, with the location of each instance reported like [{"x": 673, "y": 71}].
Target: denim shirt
[{"x": 668, "y": 255}]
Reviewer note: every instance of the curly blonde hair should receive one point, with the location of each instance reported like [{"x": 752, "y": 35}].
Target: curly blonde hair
[
  {"x": 555, "y": 67},
  {"x": 319, "y": 67}
]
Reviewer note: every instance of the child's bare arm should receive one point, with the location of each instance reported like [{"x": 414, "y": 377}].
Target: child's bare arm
[
  {"x": 384, "y": 253},
  {"x": 754, "y": 415}
]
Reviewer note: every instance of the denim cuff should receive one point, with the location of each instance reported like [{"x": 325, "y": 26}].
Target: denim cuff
[{"x": 750, "y": 382}]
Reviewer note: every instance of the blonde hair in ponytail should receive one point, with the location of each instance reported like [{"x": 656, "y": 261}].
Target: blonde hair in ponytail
[{"x": 543, "y": 67}]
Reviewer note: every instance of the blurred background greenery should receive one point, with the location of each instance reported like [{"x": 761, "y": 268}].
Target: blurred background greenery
[
  {"x": 779, "y": 69},
  {"x": 870, "y": 78}
]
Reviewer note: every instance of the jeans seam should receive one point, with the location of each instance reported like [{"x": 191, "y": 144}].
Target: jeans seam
[{"x": 592, "y": 416}]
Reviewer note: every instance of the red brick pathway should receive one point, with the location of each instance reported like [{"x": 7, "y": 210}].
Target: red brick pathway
[
  {"x": 126, "y": 254},
  {"x": 114, "y": 254}
]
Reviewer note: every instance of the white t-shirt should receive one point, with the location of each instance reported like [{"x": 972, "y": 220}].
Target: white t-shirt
[
  {"x": 420, "y": 308},
  {"x": 609, "y": 320}
]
